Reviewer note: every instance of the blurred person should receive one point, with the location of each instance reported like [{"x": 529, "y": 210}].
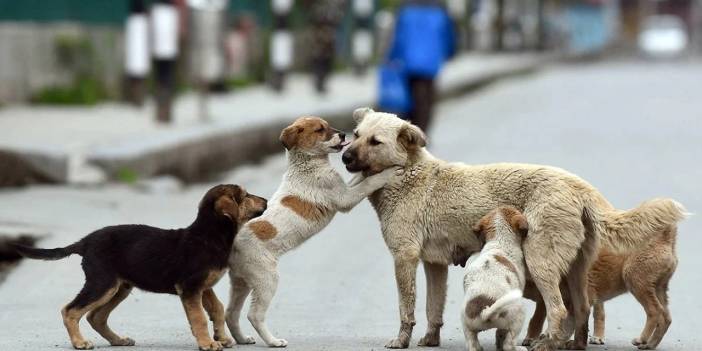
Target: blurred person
[
  {"x": 424, "y": 39},
  {"x": 325, "y": 16}
]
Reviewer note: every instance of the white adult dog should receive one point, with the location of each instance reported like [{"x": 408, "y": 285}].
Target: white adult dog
[
  {"x": 305, "y": 202},
  {"x": 494, "y": 280}
]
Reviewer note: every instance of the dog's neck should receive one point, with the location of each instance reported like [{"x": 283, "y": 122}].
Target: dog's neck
[
  {"x": 301, "y": 162},
  {"x": 507, "y": 244},
  {"x": 220, "y": 229}
]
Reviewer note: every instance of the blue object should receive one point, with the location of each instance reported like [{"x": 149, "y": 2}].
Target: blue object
[
  {"x": 424, "y": 38},
  {"x": 395, "y": 95}
]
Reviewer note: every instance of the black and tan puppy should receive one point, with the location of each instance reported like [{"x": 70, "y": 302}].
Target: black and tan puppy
[{"x": 186, "y": 262}]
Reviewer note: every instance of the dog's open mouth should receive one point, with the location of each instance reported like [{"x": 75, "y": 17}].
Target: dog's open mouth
[{"x": 340, "y": 145}]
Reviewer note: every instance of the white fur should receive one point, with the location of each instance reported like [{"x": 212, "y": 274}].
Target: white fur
[
  {"x": 253, "y": 263},
  {"x": 485, "y": 276}
]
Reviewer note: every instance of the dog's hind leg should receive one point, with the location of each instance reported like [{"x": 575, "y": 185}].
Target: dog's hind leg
[
  {"x": 100, "y": 286},
  {"x": 599, "y": 316},
  {"x": 472, "y": 339},
  {"x": 215, "y": 310},
  {"x": 509, "y": 336},
  {"x": 98, "y": 317},
  {"x": 237, "y": 296},
  {"x": 547, "y": 281},
  {"x": 577, "y": 287},
  {"x": 436, "y": 275},
  {"x": 536, "y": 324},
  {"x": 264, "y": 285}
]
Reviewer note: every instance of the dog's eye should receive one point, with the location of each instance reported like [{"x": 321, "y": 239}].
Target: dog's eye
[
  {"x": 374, "y": 141},
  {"x": 355, "y": 134},
  {"x": 319, "y": 130}
]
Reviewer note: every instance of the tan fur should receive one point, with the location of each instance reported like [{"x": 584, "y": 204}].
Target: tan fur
[
  {"x": 215, "y": 310},
  {"x": 263, "y": 229},
  {"x": 305, "y": 132},
  {"x": 645, "y": 273},
  {"x": 304, "y": 208},
  {"x": 194, "y": 310},
  {"x": 71, "y": 318},
  {"x": 98, "y": 317},
  {"x": 427, "y": 216}
]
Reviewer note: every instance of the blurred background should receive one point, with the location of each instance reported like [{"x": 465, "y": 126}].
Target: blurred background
[{"x": 126, "y": 111}]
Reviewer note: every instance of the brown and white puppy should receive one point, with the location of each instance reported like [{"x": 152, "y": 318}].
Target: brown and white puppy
[
  {"x": 306, "y": 201},
  {"x": 644, "y": 273},
  {"x": 426, "y": 215},
  {"x": 494, "y": 279}
]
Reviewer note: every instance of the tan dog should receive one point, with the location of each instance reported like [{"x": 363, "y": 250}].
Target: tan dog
[
  {"x": 426, "y": 215},
  {"x": 644, "y": 273}
]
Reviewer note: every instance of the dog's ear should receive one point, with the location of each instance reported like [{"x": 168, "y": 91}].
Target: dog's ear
[
  {"x": 360, "y": 113},
  {"x": 289, "y": 136},
  {"x": 411, "y": 137},
  {"x": 226, "y": 206},
  {"x": 519, "y": 224}
]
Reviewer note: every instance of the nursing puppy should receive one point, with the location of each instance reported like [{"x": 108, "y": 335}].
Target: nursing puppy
[
  {"x": 306, "y": 201},
  {"x": 494, "y": 280},
  {"x": 186, "y": 262},
  {"x": 645, "y": 273},
  {"x": 426, "y": 215}
]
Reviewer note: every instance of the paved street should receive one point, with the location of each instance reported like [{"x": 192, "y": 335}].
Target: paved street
[{"x": 631, "y": 129}]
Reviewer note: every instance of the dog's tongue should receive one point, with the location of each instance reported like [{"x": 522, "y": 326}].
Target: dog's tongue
[{"x": 344, "y": 143}]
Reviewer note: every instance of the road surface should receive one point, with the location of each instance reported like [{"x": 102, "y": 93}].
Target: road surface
[{"x": 631, "y": 129}]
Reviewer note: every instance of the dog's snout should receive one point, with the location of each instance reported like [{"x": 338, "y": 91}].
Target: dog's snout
[
  {"x": 348, "y": 156},
  {"x": 342, "y": 136}
]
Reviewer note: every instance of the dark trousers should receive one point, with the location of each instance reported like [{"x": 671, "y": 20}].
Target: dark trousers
[{"x": 422, "y": 89}]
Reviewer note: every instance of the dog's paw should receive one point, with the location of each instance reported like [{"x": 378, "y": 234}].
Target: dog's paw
[
  {"x": 521, "y": 348},
  {"x": 83, "y": 345},
  {"x": 637, "y": 341},
  {"x": 278, "y": 343},
  {"x": 123, "y": 342},
  {"x": 544, "y": 343},
  {"x": 646, "y": 347},
  {"x": 211, "y": 346},
  {"x": 226, "y": 341},
  {"x": 527, "y": 341},
  {"x": 397, "y": 343},
  {"x": 595, "y": 340},
  {"x": 574, "y": 345},
  {"x": 429, "y": 340},
  {"x": 247, "y": 340}
]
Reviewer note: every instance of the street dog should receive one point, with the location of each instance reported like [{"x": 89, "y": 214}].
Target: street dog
[
  {"x": 645, "y": 273},
  {"x": 426, "y": 215},
  {"x": 494, "y": 280},
  {"x": 306, "y": 201},
  {"x": 186, "y": 262}
]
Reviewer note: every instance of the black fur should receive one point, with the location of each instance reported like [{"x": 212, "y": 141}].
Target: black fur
[{"x": 155, "y": 259}]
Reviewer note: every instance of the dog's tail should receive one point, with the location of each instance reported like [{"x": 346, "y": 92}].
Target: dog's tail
[
  {"x": 499, "y": 305},
  {"x": 48, "y": 254},
  {"x": 622, "y": 231}
]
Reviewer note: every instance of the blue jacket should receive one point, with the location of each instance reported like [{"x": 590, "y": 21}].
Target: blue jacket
[{"x": 424, "y": 38}]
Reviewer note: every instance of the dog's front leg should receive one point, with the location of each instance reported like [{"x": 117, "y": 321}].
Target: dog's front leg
[
  {"x": 215, "y": 310},
  {"x": 358, "y": 189},
  {"x": 192, "y": 302},
  {"x": 405, "y": 275},
  {"x": 436, "y": 299}
]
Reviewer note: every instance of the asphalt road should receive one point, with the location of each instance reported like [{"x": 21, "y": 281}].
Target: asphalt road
[{"x": 631, "y": 129}]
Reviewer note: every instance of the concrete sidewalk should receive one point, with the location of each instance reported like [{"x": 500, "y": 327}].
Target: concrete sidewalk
[{"x": 88, "y": 144}]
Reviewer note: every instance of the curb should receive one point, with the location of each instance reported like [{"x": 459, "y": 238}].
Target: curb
[{"x": 199, "y": 153}]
